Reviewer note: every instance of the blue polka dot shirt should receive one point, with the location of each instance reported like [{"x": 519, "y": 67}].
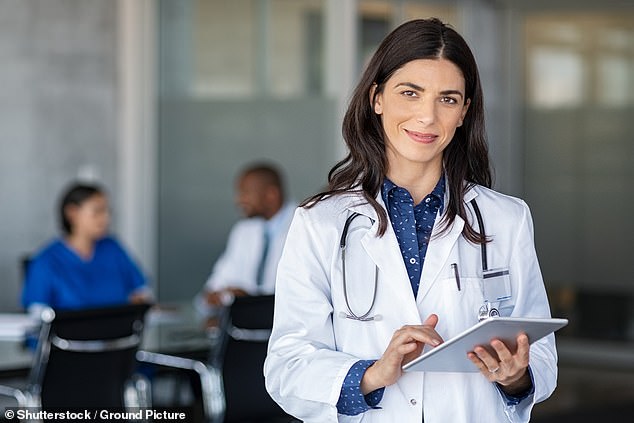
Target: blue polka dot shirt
[
  {"x": 413, "y": 226},
  {"x": 351, "y": 399}
]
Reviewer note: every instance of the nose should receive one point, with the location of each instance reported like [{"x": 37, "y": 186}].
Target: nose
[{"x": 426, "y": 112}]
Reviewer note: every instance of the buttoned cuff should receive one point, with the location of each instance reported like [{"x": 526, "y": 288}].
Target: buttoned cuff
[
  {"x": 351, "y": 399},
  {"x": 516, "y": 399}
]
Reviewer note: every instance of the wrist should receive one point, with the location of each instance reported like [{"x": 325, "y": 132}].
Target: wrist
[
  {"x": 370, "y": 381},
  {"x": 519, "y": 386}
]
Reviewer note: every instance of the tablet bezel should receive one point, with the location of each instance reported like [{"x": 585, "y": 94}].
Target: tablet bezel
[{"x": 451, "y": 356}]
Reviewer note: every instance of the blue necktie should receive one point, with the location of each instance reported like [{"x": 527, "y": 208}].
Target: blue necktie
[{"x": 265, "y": 250}]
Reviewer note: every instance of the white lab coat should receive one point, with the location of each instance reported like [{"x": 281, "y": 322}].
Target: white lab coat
[{"x": 312, "y": 347}]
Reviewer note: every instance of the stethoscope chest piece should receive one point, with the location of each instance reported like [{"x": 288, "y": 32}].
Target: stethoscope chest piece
[{"x": 487, "y": 311}]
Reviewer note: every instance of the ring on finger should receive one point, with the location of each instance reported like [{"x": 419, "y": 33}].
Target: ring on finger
[{"x": 494, "y": 370}]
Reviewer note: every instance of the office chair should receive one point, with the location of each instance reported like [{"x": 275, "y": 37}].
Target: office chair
[
  {"x": 246, "y": 333},
  {"x": 86, "y": 359},
  {"x": 208, "y": 376}
]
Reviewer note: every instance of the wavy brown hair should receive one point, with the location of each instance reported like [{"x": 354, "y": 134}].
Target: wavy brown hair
[{"x": 465, "y": 159}]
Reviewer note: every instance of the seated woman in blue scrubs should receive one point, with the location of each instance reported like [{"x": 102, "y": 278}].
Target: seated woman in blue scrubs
[{"x": 84, "y": 268}]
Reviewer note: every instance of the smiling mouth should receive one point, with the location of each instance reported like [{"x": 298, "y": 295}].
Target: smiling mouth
[{"x": 425, "y": 138}]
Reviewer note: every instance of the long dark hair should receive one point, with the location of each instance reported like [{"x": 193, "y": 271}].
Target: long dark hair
[
  {"x": 75, "y": 195},
  {"x": 466, "y": 157}
]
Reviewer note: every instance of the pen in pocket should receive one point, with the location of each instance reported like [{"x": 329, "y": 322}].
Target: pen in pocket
[{"x": 454, "y": 266}]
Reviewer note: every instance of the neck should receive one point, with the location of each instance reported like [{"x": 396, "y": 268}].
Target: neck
[
  {"x": 419, "y": 181},
  {"x": 273, "y": 211},
  {"x": 83, "y": 245}
]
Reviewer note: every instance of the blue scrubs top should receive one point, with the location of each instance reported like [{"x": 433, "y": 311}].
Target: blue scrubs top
[{"x": 58, "y": 277}]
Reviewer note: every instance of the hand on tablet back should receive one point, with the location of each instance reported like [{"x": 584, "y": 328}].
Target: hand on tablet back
[{"x": 501, "y": 365}]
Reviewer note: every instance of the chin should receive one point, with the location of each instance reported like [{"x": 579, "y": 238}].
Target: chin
[{"x": 101, "y": 235}]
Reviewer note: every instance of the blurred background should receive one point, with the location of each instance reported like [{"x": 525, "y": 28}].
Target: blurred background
[{"x": 163, "y": 101}]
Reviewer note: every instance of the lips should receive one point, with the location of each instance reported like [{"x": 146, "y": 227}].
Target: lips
[{"x": 425, "y": 138}]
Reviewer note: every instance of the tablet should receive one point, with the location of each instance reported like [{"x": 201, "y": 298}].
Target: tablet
[{"x": 451, "y": 356}]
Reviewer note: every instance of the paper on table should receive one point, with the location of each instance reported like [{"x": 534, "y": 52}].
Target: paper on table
[{"x": 14, "y": 326}]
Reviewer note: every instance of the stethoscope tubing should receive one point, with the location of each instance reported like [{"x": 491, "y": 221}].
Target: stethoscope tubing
[{"x": 342, "y": 245}]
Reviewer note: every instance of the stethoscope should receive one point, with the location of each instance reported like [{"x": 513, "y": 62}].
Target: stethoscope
[
  {"x": 485, "y": 311},
  {"x": 365, "y": 317}
]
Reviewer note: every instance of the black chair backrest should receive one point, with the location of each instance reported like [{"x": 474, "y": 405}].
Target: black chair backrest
[
  {"x": 92, "y": 355},
  {"x": 248, "y": 328}
]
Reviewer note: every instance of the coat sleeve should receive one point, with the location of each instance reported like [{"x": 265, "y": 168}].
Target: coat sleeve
[
  {"x": 303, "y": 369},
  {"x": 531, "y": 301}
]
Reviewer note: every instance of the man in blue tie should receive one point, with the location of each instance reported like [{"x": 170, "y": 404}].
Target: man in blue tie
[{"x": 248, "y": 264}]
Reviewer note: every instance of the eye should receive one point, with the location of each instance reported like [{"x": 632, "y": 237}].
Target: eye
[
  {"x": 409, "y": 93},
  {"x": 448, "y": 100}
]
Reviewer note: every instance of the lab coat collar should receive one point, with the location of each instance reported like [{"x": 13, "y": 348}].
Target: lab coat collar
[{"x": 358, "y": 204}]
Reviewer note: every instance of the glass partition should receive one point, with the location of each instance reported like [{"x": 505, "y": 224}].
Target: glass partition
[
  {"x": 378, "y": 17},
  {"x": 239, "y": 81},
  {"x": 580, "y": 164}
]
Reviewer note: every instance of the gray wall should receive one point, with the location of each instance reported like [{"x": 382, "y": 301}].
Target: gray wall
[
  {"x": 579, "y": 173},
  {"x": 57, "y": 117}
]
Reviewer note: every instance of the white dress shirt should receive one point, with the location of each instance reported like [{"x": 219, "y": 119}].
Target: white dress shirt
[{"x": 237, "y": 267}]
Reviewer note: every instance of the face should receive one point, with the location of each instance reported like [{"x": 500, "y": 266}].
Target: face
[
  {"x": 91, "y": 218},
  {"x": 252, "y": 195},
  {"x": 421, "y": 105}
]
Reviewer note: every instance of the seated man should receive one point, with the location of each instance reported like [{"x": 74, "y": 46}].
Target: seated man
[{"x": 248, "y": 265}]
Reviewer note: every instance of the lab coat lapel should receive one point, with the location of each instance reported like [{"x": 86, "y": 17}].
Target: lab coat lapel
[
  {"x": 439, "y": 249},
  {"x": 437, "y": 254},
  {"x": 386, "y": 254}
]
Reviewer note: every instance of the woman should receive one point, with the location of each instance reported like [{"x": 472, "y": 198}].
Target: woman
[
  {"x": 417, "y": 158},
  {"x": 85, "y": 268}
]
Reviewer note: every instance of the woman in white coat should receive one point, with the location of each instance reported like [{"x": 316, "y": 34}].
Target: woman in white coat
[{"x": 413, "y": 272}]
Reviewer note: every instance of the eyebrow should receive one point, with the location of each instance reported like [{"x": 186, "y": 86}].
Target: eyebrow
[{"x": 419, "y": 88}]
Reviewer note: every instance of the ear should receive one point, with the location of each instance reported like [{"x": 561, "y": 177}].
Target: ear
[
  {"x": 70, "y": 212},
  {"x": 465, "y": 108},
  {"x": 376, "y": 99},
  {"x": 70, "y": 209}
]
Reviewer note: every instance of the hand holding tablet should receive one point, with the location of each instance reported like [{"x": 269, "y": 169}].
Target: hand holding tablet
[{"x": 451, "y": 356}]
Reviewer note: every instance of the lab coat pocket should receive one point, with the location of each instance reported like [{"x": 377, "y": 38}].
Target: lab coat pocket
[{"x": 457, "y": 309}]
